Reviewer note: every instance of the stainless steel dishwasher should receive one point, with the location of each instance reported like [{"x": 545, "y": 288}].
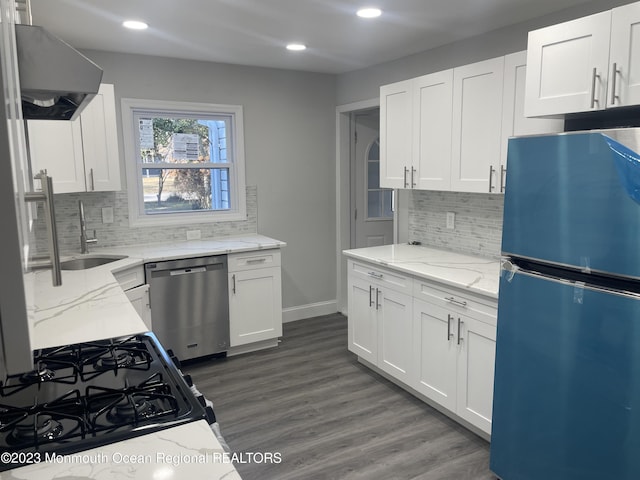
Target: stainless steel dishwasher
[{"x": 189, "y": 301}]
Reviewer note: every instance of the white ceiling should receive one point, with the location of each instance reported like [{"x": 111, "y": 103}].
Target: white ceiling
[{"x": 255, "y": 32}]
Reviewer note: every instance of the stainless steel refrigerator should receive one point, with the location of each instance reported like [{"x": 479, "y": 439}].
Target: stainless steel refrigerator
[{"x": 567, "y": 375}]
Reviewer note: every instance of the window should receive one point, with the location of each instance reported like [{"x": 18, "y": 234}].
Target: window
[
  {"x": 378, "y": 199},
  {"x": 185, "y": 162}
]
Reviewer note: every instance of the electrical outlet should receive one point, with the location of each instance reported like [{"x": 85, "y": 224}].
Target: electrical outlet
[
  {"x": 107, "y": 215},
  {"x": 193, "y": 235},
  {"x": 451, "y": 220}
]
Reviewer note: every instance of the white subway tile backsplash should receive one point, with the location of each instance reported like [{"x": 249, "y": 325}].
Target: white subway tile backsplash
[{"x": 478, "y": 221}]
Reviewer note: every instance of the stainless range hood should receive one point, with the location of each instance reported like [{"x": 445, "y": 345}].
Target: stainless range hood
[{"x": 56, "y": 80}]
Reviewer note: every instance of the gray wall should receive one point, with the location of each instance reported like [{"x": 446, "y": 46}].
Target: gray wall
[
  {"x": 289, "y": 134},
  {"x": 364, "y": 84}
]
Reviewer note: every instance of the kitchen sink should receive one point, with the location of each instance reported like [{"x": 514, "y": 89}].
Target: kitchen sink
[{"x": 83, "y": 263}]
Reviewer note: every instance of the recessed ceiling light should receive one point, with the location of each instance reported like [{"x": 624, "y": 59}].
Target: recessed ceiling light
[
  {"x": 296, "y": 47},
  {"x": 369, "y": 12},
  {"x": 135, "y": 25}
]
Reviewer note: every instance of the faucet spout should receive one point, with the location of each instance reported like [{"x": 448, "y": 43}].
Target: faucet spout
[{"x": 84, "y": 239}]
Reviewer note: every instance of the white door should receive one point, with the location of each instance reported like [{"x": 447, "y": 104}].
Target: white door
[
  {"x": 568, "y": 66},
  {"x": 477, "y": 122},
  {"x": 396, "y": 107},
  {"x": 372, "y": 216},
  {"x": 435, "y": 353},
  {"x": 432, "y": 116},
  {"x": 624, "y": 77}
]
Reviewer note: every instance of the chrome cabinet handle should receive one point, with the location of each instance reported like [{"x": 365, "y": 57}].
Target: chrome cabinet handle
[
  {"x": 460, "y": 322},
  {"x": 93, "y": 183},
  {"x": 456, "y": 301},
  {"x": 46, "y": 196},
  {"x": 404, "y": 180},
  {"x": 233, "y": 279},
  {"x": 613, "y": 84},
  {"x": 449, "y": 335},
  {"x": 413, "y": 171},
  {"x": 594, "y": 77},
  {"x": 370, "y": 293},
  {"x": 491, "y": 172},
  {"x": 375, "y": 275},
  {"x": 377, "y": 302},
  {"x": 257, "y": 260},
  {"x": 502, "y": 172}
]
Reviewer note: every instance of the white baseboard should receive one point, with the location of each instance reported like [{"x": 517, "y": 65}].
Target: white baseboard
[{"x": 291, "y": 314}]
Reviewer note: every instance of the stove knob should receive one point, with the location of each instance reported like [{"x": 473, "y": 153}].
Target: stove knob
[
  {"x": 187, "y": 378},
  {"x": 202, "y": 400},
  {"x": 173, "y": 358},
  {"x": 211, "y": 417}
]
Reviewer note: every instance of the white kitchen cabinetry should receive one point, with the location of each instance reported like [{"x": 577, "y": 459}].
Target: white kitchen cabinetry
[
  {"x": 454, "y": 349},
  {"x": 396, "y": 120},
  {"x": 415, "y": 132},
  {"x": 131, "y": 280},
  {"x": 590, "y": 63},
  {"x": 255, "y": 297},
  {"x": 477, "y": 121},
  {"x": 82, "y": 155},
  {"x": 514, "y": 122},
  {"x": 380, "y": 318}
]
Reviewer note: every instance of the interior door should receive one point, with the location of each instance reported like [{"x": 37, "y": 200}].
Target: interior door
[{"x": 372, "y": 223}]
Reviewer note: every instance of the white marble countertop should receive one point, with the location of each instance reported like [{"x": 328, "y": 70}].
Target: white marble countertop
[
  {"x": 90, "y": 305},
  {"x": 189, "y": 451},
  {"x": 477, "y": 274}
]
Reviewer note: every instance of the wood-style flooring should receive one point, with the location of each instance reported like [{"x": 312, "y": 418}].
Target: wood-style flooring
[{"x": 330, "y": 417}]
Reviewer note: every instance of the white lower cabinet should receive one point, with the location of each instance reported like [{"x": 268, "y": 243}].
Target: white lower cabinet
[
  {"x": 427, "y": 336},
  {"x": 139, "y": 298},
  {"x": 255, "y": 297}
]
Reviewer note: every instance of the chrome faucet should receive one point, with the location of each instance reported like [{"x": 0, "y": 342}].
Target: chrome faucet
[{"x": 84, "y": 240}]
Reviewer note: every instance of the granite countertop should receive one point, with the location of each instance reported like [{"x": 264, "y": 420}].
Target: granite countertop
[
  {"x": 476, "y": 274},
  {"x": 189, "y": 451},
  {"x": 90, "y": 304}
]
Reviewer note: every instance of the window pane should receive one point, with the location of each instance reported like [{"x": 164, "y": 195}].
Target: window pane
[
  {"x": 374, "y": 151},
  {"x": 387, "y": 195},
  {"x": 373, "y": 174},
  {"x": 185, "y": 189},
  {"x": 374, "y": 203}
]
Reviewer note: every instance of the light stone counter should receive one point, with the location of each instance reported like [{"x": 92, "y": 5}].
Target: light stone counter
[
  {"x": 90, "y": 305},
  {"x": 189, "y": 451},
  {"x": 476, "y": 274}
]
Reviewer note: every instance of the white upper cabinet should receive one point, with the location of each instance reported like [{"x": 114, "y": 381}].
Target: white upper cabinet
[
  {"x": 80, "y": 155},
  {"x": 432, "y": 116},
  {"x": 395, "y": 134},
  {"x": 624, "y": 76},
  {"x": 587, "y": 64},
  {"x": 477, "y": 120}
]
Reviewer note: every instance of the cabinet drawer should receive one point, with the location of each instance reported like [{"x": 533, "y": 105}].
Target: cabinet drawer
[
  {"x": 455, "y": 301},
  {"x": 131, "y": 277},
  {"x": 382, "y": 276},
  {"x": 238, "y": 262}
]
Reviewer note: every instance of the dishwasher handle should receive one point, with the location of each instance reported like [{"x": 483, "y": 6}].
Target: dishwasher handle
[{"x": 187, "y": 271}]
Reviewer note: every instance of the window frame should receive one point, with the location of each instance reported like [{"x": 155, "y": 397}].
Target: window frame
[{"x": 137, "y": 215}]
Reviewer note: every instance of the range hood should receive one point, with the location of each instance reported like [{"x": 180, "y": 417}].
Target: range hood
[{"x": 56, "y": 80}]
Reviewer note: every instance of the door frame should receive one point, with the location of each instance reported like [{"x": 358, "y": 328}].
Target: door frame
[{"x": 343, "y": 193}]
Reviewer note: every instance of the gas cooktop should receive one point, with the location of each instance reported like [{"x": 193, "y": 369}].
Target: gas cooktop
[{"x": 90, "y": 394}]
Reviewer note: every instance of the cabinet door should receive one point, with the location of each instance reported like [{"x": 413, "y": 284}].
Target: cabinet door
[
  {"x": 514, "y": 122},
  {"x": 475, "y": 371},
  {"x": 362, "y": 320},
  {"x": 255, "y": 305},
  {"x": 139, "y": 298},
  {"x": 477, "y": 119},
  {"x": 395, "y": 134},
  {"x": 624, "y": 76},
  {"x": 100, "y": 142},
  {"x": 56, "y": 146},
  {"x": 568, "y": 66},
  {"x": 395, "y": 333},
  {"x": 435, "y": 353},
  {"x": 432, "y": 116}
]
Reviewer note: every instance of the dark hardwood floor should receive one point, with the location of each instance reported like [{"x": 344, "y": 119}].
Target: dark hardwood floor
[{"x": 330, "y": 417}]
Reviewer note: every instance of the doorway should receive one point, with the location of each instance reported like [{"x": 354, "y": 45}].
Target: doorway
[{"x": 371, "y": 205}]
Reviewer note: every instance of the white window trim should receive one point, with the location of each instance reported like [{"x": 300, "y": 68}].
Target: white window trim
[{"x": 138, "y": 218}]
